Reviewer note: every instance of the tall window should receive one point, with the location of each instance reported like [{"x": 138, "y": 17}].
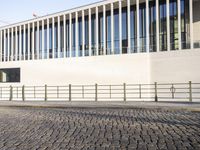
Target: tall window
[
  {"x": 152, "y": 26},
  {"x": 50, "y": 41},
  {"x": 124, "y": 30},
  {"x": 86, "y": 36},
  {"x": 116, "y": 31},
  {"x": 45, "y": 41},
  {"x": 73, "y": 37},
  {"x": 142, "y": 27},
  {"x": 93, "y": 31},
  {"x": 101, "y": 38},
  {"x": 61, "y": 39},
  {"x": 40, "y": 42},
  {"x": 56, "y": 40},
  {"x": 80, "y": 52},
  {"x": 67, "y": 38},
  {"x": 108, "y": 33},
  {"x": 133, "y": 26}
]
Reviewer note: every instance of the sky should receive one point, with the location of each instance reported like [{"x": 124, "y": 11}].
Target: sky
[{"x": 13, "y": 11}]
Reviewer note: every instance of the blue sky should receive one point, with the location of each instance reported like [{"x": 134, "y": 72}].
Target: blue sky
[{"x": 12, "y": 11}]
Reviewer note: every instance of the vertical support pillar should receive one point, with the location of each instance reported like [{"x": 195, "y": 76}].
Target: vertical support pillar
[
  {"x": 96, "y": 92},
  {"x": 190, "y": 91},
  {"x": 83, "y": 33},
  {"x": 90, "y": 33},
  {"x": 124, "y": 86},
  {"x": 24, "y": 43},
  {"x": 104, "y": 29},
  {"x": 28, "y": 41},
  {"x": 147, "y": 26},
  {"x": 70, "y": 35},
  {"x": 42, "y": 39},
  {"x": 12, "y": 43},
  {"x": 97, "y": 31},
  {"x": 129, "y": 24},
  {"x": 120, "y": 26},
  {"x": 156, "y": 93},
  {"x": 64, "y": 39},
  {"x": 138, "y": 27},
  {"x": 38, "y": 41},
  {"x": 77, "y": 41},
  {"x": 16, "y": 45},
  {"x": 191, "y": 24},
  {"x": 47, "y": 38},
  {"x": 179, "y": 25},
  {"x": 33, "y": 40},
  {"x": 168, "y": 26},
  {"x": 20, "y": 43},
  {"x": 112, "y": 29},
  {"x": 23, "y": 93},
  {"x": 58, "y": 51},
  {"x": 157, "y": 26},
  {"x": 53, "y": 32},
  {"x": 8, "y": 38},
  {"x": 45, "y": 96},
  {"x": 70, "y": 92},
  {"x": 11, "y": 93}
]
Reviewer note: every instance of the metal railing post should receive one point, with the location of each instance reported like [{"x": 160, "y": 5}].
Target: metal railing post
[
  {"x": 96, "y": 96},
  {"x": 23, "y": 93},
  {"x": 11, "y": 93},
  {"x": 140, "y": 91},
  {"x": 190, "y": 91},
  {"x": 156, "y": 94},
  {"x": 70, "y": 94},
  {"x": 124, "y": 85},
  {"x": 45, "y": 94}
]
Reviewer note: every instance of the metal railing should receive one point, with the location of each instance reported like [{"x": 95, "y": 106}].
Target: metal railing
[{"x": 120, "y": 92}]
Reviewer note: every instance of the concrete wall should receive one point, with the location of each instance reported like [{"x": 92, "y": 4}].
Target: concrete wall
[{"x": 173, "y": 66}]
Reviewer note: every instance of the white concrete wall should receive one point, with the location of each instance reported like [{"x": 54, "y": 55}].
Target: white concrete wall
[{"x": 173, "y": 66}]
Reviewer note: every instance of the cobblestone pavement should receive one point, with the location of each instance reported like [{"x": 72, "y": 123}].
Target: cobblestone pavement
[{"x": 98, "y": 128}]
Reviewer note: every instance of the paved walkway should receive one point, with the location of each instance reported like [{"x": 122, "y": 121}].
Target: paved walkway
[{"x": 111, "y": 126}]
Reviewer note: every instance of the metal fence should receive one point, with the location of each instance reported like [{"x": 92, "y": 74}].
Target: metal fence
[{"x": 120, "y": 92}]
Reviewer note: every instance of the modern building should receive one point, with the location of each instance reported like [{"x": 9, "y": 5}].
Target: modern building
[{"x": 113, "y": 41}]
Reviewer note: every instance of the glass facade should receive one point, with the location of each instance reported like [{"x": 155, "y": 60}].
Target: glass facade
[{"x": 30, "y": 41}]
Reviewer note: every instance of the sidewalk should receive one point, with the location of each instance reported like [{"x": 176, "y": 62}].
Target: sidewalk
[{"x": 103, "y": 104}]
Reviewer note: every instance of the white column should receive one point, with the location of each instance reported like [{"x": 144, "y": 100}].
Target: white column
[
  {"x": 97, "y": 31},
  {"x": 191, "y": 24},
  {"x": 8, "y": 54},
  {"x": 70, "y": 35},
  {"x": 16, "y": 45},
  {"x": 1, "y": 46},
  {"x": 138, "y": 28},
  {"x": 47, "y": 38},
  {"x": 120, "y": 26},
  {"x": 90, "y": 33},
  {"x": 38, "y": 41},
  {"x": 112, "y": 29},
  {"x": 168, "y": 26},
  {"x": 53, "y": 49},
  {"x": 77, "y": 41},
  {"x": 104, "y": 29},
  {"x": 20, "y": 42},
  {"x": 64, "y": 39},
  {"x": 157, "y": 26},
  {"x": 28, "y": 41},
  {"x": 12, "y": 41},
  {"x": 24, "y": 44},
  {"x": 83, "y": 33},
  {"x": 58, "y": 51},
  {"x": 129, "y": 28},
  {"x": 147, "y": 26},
  {"x": 42, "y": 39},
  {"x": 4, "y": 44},
  {"x": 33, "y": 41},
  {"x": 179, "y": 25}
]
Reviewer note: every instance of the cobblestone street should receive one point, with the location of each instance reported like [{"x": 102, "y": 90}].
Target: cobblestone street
[{"x": 24, "y": 128}]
